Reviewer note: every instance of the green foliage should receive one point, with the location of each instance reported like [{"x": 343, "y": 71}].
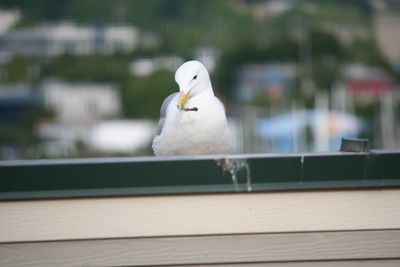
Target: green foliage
[
  {"x": 23, "y": 132},
  {"x": 367, "y": 52},
  {"x": 17, "y": 70},
  {"x": 87, "y": 68},
  {"x": 327, "y": 54},
  {"x": 361, "y": 6},
  {"x": 324, "y": 43},
  {"x": 34, "y": 114},
  {"x": 325, "y": 71},
  {"x": 181, "y": 23},
  {"x": 263, "y": 100},
  {"x": 143, "y": 96},
  {"x": 15, "y": 134},
  {"x": 366, "y": 109}
]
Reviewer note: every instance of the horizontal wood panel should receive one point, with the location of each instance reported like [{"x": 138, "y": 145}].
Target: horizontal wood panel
[
  {"x": 352, "y": 263},
  {"x": 199, "y": 215},
  {"x": 219, "y": 249}
]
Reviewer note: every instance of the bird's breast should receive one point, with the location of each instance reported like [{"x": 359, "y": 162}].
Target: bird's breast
[{"x": 209, "y": 117}]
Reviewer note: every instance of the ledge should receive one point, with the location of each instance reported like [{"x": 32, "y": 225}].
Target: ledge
[{"x": 41, "y": 179}]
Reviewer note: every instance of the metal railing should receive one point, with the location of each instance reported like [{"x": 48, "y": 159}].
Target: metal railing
[{"x": 204, "y": 174}]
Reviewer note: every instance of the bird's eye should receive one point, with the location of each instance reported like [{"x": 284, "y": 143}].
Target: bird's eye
[{"x": 195, "y": 77}]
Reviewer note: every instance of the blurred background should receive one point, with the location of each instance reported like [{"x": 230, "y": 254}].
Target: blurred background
[{"x": 86, "y": 78}]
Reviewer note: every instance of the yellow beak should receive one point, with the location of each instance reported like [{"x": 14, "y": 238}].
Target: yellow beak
[{"x": 183, "y": 98}]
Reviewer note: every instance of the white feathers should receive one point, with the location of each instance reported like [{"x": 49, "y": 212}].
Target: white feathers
[{"x": 192, "y": 122}]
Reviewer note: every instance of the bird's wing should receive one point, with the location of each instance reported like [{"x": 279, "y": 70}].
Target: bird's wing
[{"x": 163, "y": 112}]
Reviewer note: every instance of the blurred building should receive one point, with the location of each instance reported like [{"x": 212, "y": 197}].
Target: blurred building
[
  {"x": 209, "y": 56},
  {"x": 68, "y": 38},
  {"x": 81, "y": 102},
  {"x": 387, "y": 32},
  {"x": 271, "y": 80},
  {"x": 147, "y": 66},
  {"x": 120, "y": 136},
  {"x": 365, "y": 82},
  {"x": 77, "y": 108},
  {"x": 265, "y": 8},
  {"x": 8, "y": 18},
  {"x": 305, "y": 130}
]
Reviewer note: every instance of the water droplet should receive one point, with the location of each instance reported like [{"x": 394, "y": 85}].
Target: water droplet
[{"x": 234, "y": 166}]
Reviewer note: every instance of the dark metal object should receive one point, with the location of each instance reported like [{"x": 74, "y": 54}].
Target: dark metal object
[
  {"x": 354, "y": 145},
  {"x": 204, "y": 174}
]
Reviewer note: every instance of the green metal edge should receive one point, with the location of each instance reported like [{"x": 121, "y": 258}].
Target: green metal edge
[{"x": 203, "y": 174}]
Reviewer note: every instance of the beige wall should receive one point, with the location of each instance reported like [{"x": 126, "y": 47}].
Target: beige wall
[{"x": 298, "y": 227}]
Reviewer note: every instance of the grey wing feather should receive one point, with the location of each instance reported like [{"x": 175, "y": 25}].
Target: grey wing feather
[{"x": 163, "y": 112}]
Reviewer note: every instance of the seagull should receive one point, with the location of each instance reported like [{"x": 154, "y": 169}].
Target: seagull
[{"x": 193, "y": 120}]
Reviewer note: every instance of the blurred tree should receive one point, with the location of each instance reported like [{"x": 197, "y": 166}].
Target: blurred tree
[
  {"x": 367, "y": 52},
  {"x": 22, "y": 133},
  {"x": 143, "y": 96},
  {"x": 91, "y": 11},
  {"x": 87, "y": 68},
  {"x": 17, "y": 70},
  {"x": 182, "y": 24},
  {"x": 361, "y": 5},
  {"x": 35, "y": 11},
  {"x": 15, "y": 135},
  {"x": 327, "y": 54},
  {"x": 324, "y": 43}
]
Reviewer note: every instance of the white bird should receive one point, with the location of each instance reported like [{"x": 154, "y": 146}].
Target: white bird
[{"x": 192, "y": 121}]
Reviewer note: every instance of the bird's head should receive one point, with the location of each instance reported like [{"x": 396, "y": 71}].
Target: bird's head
[{"x": 192, "y": 78}]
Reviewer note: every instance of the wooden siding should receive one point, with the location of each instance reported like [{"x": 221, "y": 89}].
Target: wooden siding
[
  {"x": 207, "y": 214},
  {"x": 219, "y": 249},
  {"x": 304, "y": 228}
]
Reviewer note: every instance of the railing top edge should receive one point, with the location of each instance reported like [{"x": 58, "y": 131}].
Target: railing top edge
[{"x": 73, "y": 161}]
